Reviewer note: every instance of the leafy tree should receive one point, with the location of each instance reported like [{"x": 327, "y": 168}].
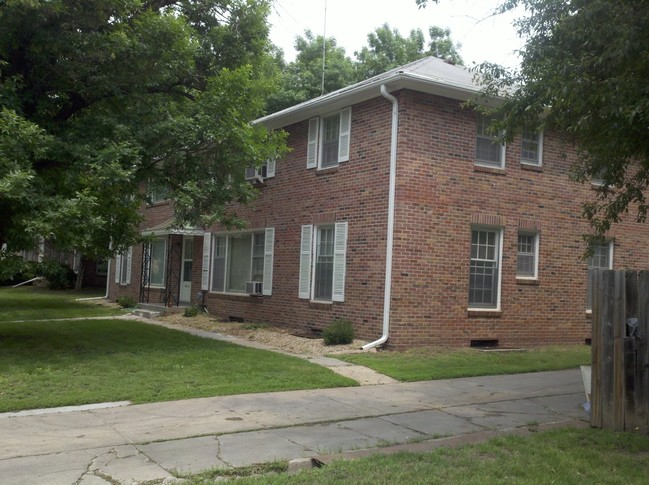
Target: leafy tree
[
  {"x": 388, "y": 49},
  {"x": 441, "y": 45},
  {"x": 583, "y": 72},
  {"x": 100, "y": 97},
  {"x": 302, "y": 79}
]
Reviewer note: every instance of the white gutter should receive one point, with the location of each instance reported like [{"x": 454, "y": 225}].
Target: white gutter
[
  {"x": 387, "y": 295},
  {"x": 364, "y": 91}
]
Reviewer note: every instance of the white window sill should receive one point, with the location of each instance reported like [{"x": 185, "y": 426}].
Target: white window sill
[
  {"x": 484, "y": 312},
  {"x": 230, "y": 293},
  {"x": 527, "y": 280},
  {"x": 535, "y": 167},
  {"x": 589, "y": 312},
  {"x": 478, "y": 163}
]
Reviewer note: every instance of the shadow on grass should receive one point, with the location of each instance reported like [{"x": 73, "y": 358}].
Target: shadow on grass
[{"x": 48, "y": 364}]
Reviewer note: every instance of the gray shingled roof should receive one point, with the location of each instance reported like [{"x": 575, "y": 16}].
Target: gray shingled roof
[{"x": 430, "y": 74}]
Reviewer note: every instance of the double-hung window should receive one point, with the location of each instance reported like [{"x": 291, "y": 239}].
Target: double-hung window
[
  {"x": 527, "y": 255},
  {"x": 323, "y": 257},
  {"x": 123, "y": 267},
  {"x": 484, "y": 274},
  {"x": 237, "y": 259},
  {"x": 489, "y": 151},
  {"x": 602, "y": 258},
  {"x": 329, "y": 137},
  {"x": 157, "y": 192},
  {"x": 259, "y": 174},
  {"x": 532, "y": 148}
]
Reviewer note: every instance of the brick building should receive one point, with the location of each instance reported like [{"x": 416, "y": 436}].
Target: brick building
[{"x": 396, "y": 210}]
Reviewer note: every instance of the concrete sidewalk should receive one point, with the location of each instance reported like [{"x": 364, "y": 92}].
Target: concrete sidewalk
[{"x": 131, "y": 444}]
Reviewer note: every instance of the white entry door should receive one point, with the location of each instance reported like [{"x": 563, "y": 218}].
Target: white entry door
[{"x": 186, "y": 276}]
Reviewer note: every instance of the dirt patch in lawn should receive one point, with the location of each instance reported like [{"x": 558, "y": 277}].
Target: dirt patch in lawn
[{"x": 276, "y": 337}]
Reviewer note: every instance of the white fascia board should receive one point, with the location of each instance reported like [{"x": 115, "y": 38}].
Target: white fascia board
[{"x": 363, "y": 92}]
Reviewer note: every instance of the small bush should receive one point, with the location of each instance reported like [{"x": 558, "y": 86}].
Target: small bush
[
  {"x": 14, "y": 270},
  {"x": 191, "y": 311},
  {"x": 125, "y": 301},
  {"x": 340, "y": 332},
  {"x": 59, "y": 276}
]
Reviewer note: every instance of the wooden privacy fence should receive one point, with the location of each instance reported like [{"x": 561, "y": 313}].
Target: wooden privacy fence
[{"x": 620, "y": 350}]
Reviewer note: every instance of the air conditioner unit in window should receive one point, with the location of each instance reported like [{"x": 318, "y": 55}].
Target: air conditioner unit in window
[
  {"x": 256, "y": 175},
  {"x": 254, "y": 288}
]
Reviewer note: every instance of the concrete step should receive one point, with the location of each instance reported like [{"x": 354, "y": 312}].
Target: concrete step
[{"x": 141, "y": 312}]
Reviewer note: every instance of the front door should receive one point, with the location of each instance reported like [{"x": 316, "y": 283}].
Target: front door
[{"x": 186, "y": 276}]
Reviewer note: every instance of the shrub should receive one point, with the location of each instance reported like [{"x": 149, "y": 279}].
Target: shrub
[
  {"x": 14, "y": 270},
  {"x": 340, "y": 332},
  {"x": 191, "y": 311},
  {"x": 59, "y": 276},
  {"x": 125, "y": 301}
]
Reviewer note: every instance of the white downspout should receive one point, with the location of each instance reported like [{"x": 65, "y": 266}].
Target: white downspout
[{"x": 387, "y": 296}]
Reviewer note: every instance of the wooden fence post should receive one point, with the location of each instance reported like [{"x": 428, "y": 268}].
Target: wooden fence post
[
  {"x": 642, "y": 354},
  {"x": 596, "y": 350},
  {"x": 620, "y": 350}
]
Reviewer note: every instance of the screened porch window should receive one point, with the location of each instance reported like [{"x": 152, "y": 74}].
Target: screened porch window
[{"x": 158, "y": 262}]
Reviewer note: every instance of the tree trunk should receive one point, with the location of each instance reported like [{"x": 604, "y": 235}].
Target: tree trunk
[{"x": 82, "y": 268}]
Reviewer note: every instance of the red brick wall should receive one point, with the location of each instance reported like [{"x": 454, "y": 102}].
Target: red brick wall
[
  {"x": 440, "y": 194},
  {"x": 356, "y": 191}
]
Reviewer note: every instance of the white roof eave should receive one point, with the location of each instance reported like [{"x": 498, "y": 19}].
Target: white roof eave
[{"x": 363, "y": 92}]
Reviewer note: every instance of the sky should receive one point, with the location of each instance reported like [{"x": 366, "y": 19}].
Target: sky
[{"x": 483, "y": 38}]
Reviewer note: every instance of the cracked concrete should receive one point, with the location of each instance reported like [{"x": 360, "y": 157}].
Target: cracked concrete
[{"x": 139, "y": 443}]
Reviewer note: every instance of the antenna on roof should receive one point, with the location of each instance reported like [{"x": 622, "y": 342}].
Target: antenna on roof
[{"x": 324, "y": 48}]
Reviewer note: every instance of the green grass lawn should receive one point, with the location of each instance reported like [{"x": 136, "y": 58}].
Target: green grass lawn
[
  {"x": 49, "y": 364},
  {"x": 28, "y": 303},
  {"x": 563, "y": 456},
  {"x": 427, "y": 364}
]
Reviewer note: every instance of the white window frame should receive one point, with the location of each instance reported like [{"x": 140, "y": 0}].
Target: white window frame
[
  {"x": 157, "y": 195},
  {"x": 308, "y": 251},
  {"x": 502, "y": 149},
  {"x": 538, "y": 162},
  {"x": 316, "y": 135},
  {"x": 610, "y": 245},
  {"x": 265, "y": 171},
  {"x": 123, "y": 275},
  {"x": 534, "y": 254},
  {"x": 597, "y": 180},
  {"x": 209, "y": 242},
  {"x": 499, "y": 246}
]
